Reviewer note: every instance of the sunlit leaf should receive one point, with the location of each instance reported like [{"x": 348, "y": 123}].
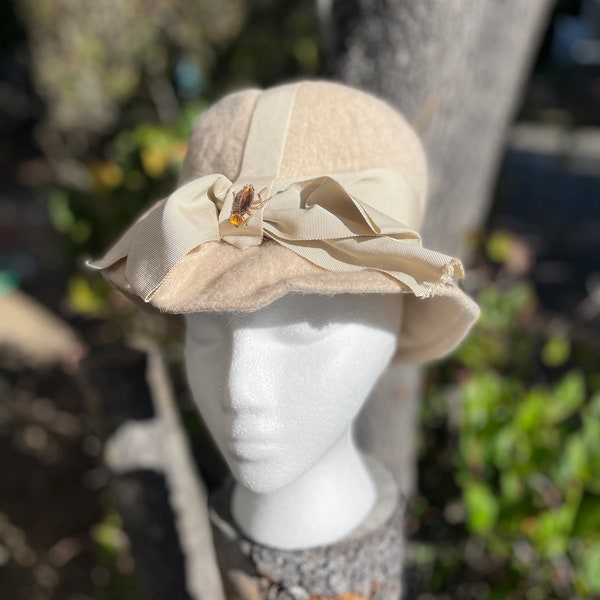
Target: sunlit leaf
[
  {"x": 107, "y": 173},
  {"x": 556, "y": 351},
  {"x": 83, "y": 298},
  {"x": 587, "y": 522},
  {"x": 590, "y": 568},
  {"x": 573, "y": 464},
  {"x": 511, "y": 486},
  {"x": 531, "y": 411},
  {"x": 154, "y": 160},
  {"x": 567, "y": 397},
  {"x": 482, "y": 507},
  {"x": 60, "y": 211},
  {"x": 499, "y": 245}
]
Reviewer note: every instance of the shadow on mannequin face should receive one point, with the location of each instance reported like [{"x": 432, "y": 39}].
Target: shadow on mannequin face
[{"x": 279, "y": 387}]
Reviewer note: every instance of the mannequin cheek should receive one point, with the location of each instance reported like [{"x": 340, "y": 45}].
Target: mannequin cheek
[
  {"x": 339, "y": 390},
  {"x": 206, "y": 381},
  {"x": 313, "y": 420}
]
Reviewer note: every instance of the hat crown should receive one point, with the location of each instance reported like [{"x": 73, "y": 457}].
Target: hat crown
[{"x": 331, "y": 129}]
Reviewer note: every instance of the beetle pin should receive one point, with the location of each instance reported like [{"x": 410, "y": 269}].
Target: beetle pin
[{"x": 245, "y": 203}]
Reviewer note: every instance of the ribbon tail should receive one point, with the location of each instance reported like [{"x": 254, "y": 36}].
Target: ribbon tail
[{"x": 418, "y": 269}]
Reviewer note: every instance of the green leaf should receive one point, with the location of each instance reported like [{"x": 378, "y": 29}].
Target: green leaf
[
  {"x": 556, "y": 351},
  {"x": 84, "y": 298},
  {"x": 472, "y": 452},
  {"x": 480, "y": 394},
  {"x": 505, "y": 444},
  {"x": 482, "y": 507},
  {"x": 566, "y": 398},
  {"x": 531, "y": 411},
  {"x": 573, "y": 467},
  {"x": 60, "y": 211},
  {"x": 511, "y": 486},
  {"x": 593, "y": 408},
  {"x": 552, "y": 534},
  {"x": 587, "y": 521},
  {"x": 590, "y": 568},
  {"x": 499, "y": 246}
]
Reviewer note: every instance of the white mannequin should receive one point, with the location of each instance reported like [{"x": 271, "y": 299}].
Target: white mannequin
[{"x": 279, "y": 389}]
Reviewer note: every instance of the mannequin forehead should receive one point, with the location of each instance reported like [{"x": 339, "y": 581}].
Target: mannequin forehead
[{"x": 380, "y": 311}]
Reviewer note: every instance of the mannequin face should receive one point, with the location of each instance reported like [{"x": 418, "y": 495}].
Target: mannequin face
[{"x": 278, "y": 387}]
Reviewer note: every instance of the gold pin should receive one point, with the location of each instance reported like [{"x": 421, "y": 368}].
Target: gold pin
[{"x": 245, "y": 203}]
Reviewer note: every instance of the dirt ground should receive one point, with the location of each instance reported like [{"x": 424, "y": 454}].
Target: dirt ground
[
  {"x": 52, "y": 487},
  {"x": 49, "y": 490}
]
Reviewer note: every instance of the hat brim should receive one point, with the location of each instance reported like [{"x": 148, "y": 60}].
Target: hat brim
[{"x": 219, "y": 277}]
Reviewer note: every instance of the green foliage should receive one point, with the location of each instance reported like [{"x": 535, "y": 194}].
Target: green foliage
[
  {"x": 112, "y": 575},
  {"x": 525, "y": 425},
  {"x": 136, "y": 168},
  {"x": 89, "y": 60}
]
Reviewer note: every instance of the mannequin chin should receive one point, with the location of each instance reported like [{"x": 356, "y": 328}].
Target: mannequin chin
[{"x": 279, "y": 389}]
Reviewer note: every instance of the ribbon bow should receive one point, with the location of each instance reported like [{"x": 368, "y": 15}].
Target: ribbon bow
[{"x": 330, "y": 220}]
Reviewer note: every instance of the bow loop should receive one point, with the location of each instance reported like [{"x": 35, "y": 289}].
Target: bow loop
[
  {"x": 219, "y": 191},
  {"x": 338, "y": 202}
]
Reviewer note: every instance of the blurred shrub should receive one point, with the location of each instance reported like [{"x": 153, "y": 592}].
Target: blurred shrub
[
  {"x": 102, "y": 66},
  {"x": 89, "y": 59},
  {"x": 517, "y": 426},
  {"x": 136, "y": 168}
]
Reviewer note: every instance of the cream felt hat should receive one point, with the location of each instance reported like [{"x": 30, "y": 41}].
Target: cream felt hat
[{"x": 311, "y": 187}]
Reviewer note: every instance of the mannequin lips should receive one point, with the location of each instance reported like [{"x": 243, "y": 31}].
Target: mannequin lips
[
  {"x": 250, "y": 437},
  {"x": 251, "y": 451},
  {"x": 251, "y": 448}
]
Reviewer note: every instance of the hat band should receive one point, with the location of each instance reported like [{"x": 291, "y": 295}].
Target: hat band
[
  {"x": 329, "y": 220},
  {"x": 267, "y": 134}
]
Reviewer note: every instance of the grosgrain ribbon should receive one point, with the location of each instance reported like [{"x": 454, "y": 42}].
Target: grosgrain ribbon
[{"x": 328, "y": 220}]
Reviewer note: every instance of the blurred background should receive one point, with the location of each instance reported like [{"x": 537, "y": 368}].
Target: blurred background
[{"x": 96, "y": 104}]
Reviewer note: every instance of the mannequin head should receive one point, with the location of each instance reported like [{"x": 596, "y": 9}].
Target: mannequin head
[{"x": 279, "y": 387}]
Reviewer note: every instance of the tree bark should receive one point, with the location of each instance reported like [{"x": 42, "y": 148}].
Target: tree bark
[
  {"x": 365, "y": 565},
  {"x": 454, "y": 68}
]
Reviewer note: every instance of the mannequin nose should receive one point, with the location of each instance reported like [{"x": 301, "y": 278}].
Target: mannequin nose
[
  {"x": 243, "y": 380},
  {"x": 238, "y": 372}
]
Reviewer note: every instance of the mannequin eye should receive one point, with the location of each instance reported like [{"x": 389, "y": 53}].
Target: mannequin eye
[
  {"x": 304, "y": 332},
  {"x": 205, "y": 330}
]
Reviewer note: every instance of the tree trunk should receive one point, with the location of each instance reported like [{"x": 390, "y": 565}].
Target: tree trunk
[
  {"x": 364, "y": 565},
  {"x": 454, "y": 68}
]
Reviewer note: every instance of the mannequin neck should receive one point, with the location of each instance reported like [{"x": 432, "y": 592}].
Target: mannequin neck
[{"x": 320, "y": 507}]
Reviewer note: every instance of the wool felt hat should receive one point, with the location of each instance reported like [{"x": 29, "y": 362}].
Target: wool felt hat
[{"x": 338, "y": 193}]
